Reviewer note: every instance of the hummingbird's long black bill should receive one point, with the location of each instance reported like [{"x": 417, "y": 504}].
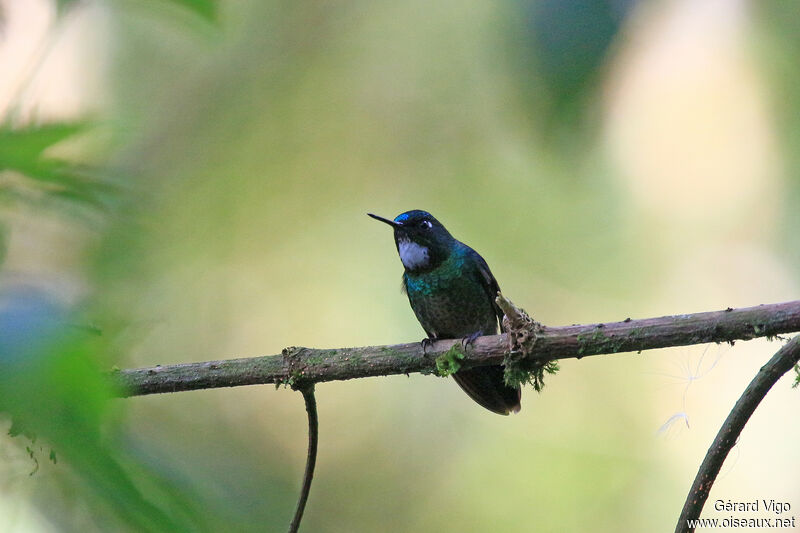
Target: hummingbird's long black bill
[{"x": 385, "y": 220}]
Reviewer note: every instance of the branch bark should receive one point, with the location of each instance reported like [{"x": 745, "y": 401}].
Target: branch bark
[
  {"x": 783, "y": 361},
  {"x": 309, "y": 365}
]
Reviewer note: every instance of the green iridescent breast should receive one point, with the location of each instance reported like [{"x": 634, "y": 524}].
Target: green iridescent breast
[{"x": 450, "y": 301}]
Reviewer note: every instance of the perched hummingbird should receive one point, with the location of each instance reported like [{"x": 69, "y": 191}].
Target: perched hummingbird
[{"x": 452, "y": 292}]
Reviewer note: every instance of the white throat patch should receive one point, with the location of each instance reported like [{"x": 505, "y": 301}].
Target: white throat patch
[{"x": 412, "y": 255}]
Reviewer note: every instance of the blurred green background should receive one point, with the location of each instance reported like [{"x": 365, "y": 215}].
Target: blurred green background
[{"x": 188, "y": 180}]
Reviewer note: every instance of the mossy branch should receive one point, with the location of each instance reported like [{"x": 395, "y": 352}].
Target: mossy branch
[{"x": 311, "y": 365}]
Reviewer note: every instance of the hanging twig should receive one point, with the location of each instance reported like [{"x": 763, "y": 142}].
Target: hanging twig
[{"x": 311, "y": 458}]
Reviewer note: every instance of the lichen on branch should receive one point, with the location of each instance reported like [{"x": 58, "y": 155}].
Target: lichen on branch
[
  {"x": 522, "y": 332},
  {"x": 450, "y": 361}
]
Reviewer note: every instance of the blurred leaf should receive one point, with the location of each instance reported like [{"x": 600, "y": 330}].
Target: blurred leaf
[
  {"x": 52, "y": 386},
  {"x": 25, "y": 144},
  {"x": 23, "y": 150},
  {"x": 205, "y": 8}
]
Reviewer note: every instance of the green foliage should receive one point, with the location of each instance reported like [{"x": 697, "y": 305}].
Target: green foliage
[
  {"x": 207, "y": 9},
  {"x": 450, "y": 361},
  {"x": 24, "y": 151},
  {"x": 53, "y": 389},
  {"x": 22, "y": 148},
  {"x": 204, "y": 8},
  {"x": 796, "y": 377}
]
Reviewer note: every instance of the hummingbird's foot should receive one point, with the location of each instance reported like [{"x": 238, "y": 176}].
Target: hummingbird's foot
[
  {"x": 426, "y": 343},
  {"x": 469, "y": 339}
]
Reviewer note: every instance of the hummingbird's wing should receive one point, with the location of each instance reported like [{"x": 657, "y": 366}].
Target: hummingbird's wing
[
  {"x": 486, "y": 385},
  {"x": 489, "y": 284}
]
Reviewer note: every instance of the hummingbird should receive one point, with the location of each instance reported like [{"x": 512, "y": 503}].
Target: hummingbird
[{"x": 452, "y": 292}]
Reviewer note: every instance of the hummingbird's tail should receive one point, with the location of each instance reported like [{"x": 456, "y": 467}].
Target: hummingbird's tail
[{"x": 486, "y": 386}]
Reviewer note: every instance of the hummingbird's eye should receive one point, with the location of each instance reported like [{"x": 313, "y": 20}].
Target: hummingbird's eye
[{"x": 426, "y": 224}]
